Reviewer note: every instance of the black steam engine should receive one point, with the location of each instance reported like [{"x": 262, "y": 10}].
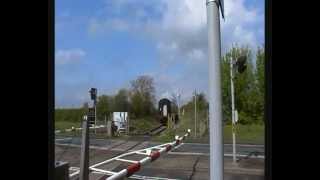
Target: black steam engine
[{"x": 165, "y": 111}]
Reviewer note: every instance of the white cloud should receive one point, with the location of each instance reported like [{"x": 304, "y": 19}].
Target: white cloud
[
  {"x": 196, "y": 56},
  {"x": 184, "y": 15},
  {"x": 180, "y": 35},
  {"x": 69, "y": 56},
  {"x": 184, "y": 24}
]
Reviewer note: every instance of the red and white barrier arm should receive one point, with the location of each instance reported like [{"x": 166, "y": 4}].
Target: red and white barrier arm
[{"x": 131, "y": 169}]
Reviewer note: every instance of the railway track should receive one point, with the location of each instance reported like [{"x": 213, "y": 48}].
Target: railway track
[{"x": 156, "y": 130}]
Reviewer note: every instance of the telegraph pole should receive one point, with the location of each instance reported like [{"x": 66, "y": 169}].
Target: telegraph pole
[
  {"x": 178, "y": 103},
  {"x": 195, "y": 113},
  {"x": 215, "y": 103}
]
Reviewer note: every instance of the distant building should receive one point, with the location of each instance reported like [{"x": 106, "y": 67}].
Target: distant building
[{"x": 120, "y": 120}]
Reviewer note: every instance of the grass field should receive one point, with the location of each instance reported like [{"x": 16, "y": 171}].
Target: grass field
[
  {"x": 246, "y": 134},
  {"x": 142, "y": 125},
  {"x": 252, "y": 134},
  {"x": 61, "y": 125}
]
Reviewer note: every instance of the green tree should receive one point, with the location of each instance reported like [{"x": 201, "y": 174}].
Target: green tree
[
  {"x": 137, "y": 108},
  {"x": 121, "y": 101},
  {"x": 260, "y": 80},
  {"x": 244, "y": 87},
  {"x": 104, "y": 106},
  {"x": 143, "y": 96}
]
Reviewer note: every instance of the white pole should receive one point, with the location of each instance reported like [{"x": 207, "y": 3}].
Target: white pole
[
  {"x": 233, "y": 112},
  {"x": 215, "y": 111}
]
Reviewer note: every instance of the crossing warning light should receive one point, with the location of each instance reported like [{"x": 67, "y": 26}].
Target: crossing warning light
[{"x": 93, "y": 93}]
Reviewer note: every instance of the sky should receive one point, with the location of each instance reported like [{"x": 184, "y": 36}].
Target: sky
[{"x": 107, "y": 43}]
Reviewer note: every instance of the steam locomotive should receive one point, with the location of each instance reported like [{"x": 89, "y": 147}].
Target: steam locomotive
[{"x": 165, "y": 111}]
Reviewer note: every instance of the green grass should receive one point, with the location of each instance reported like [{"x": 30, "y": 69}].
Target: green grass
[
  {"x": 142, "y": 125},
  {"x": 246, "y": 134},
  {"x": 253, "y": 134},
  {"x": 165, "y": 136},
  {"x": 62, "y": 125}
]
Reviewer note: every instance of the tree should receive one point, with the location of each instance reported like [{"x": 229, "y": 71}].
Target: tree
[
  {"x": 143, "y": 96},
  {"x": 202, "y": 103},
  {"x": 260, "y": 80},
  {"x": 121, "y": 101},
  {"x": 245, "y": 88},
  {"x": 104, "y": 106},
  {"x": 137, "y": 105}
]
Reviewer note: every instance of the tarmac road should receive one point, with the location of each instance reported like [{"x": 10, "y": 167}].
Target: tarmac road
[{"x": 185, "y": 148}]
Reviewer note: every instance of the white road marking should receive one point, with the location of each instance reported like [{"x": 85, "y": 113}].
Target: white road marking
[
  {"x": 247, "y": 145},
  {"x": 178, "y": 146},
  {"x": 188, "y": 153},
  {"x": 100, "y": 171},
  {"x": 207, "y": 154},
  {"x": 244, "y": 145},
  {"x": 245, "y": 155},
  {"x": 63, "y": 139}
]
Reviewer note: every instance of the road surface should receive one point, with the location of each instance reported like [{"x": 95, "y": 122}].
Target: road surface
[
  {"x": 187, "y": 161},
  {"x": 185, "y": 149}
]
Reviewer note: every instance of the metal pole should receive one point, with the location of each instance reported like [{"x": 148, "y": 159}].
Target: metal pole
[
  {"x": 215, "y": 103},
  {"x": 95, "y": 116},
  {"x": 207, "y": 114},
  {"x": 105, "y": 123},
  {"x": 128, "y": 124},
  {"x": 84, "y": 161},
  {"x": 178, "y": 106},
  {"x": 195, "y": 113},
  {"x": 233, "y": 112},
  {"x": 105, "y": 120}
]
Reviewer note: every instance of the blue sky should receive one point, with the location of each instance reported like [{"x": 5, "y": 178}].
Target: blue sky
[{"x": 108, "y": 43}]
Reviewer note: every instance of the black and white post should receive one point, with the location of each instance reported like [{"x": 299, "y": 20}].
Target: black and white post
[{"x": 215, "y": 99}]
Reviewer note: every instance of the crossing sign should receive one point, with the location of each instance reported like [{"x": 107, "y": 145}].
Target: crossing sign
[{"x": 235, "y": 116}]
